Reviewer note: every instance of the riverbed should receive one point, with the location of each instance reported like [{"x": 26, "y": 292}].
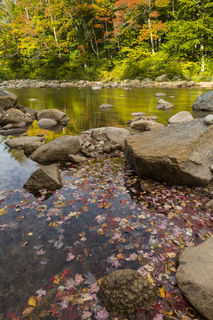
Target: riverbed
[{"x": 55, "y": 251}]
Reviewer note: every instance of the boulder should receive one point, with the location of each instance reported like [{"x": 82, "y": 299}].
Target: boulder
[
  {"x": 13, "y": 132},
  {"x": 164, "y": 105},
  {"x": 28, "y": 144},
  {"x": 46, "y": 177},
  {"x": 180, "y": 117},
  {"x": 194, "y": 276},
  {"x": 29, "y": 111},
  {"x": 125, "y": 291},
  {"x": 7, "y": 99},
  {"x": 57, "y": 150},
  {"x": 179, "y": 154},
  {"x": 14, "y": 116},
  {"x": 46, "y": 123},
  {"x": 105, "y": 106},
  {"x": 204, "y": 102},
  {"x": 54, "y": 114},
  {"x": 209, "y": 119},
  {"x": 146, "y": 125}
]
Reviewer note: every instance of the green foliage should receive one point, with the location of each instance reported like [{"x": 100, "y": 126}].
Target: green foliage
[{"x": 106, "y": 39}]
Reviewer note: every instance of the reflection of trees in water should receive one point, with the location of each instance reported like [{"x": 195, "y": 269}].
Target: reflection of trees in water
[{"x": 17, "y": 155}]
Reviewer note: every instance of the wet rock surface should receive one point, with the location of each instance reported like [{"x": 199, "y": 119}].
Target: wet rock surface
[
  {"x": 194, "y": 276},
  {"x": 125, "y": 291}
]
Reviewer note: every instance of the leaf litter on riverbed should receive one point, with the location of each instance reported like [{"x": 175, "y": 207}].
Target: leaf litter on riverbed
[{"x": 100, "y": 222}]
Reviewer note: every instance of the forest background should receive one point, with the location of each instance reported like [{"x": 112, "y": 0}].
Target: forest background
[{"x": 106, "y": 39}]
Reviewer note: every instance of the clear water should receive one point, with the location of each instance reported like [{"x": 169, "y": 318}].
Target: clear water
[{"x": 81, "y": 105}]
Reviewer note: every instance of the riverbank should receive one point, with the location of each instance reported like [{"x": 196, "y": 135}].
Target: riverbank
[{"x": 96, "y": 85}]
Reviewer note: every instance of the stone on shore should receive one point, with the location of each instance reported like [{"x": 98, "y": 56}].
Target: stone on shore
[
  {"x": 204, "y": 102},
  {"x": 7, "y": 99},
  {"x": 125, "y": 291},
  {"x": 195, "y": 276},
  {"x": 54, "y": 114},
  {"x": 46, "y": 177},
  {"x": 146, "y": 125},
  {"x": 28, "y": 144},
  {"x": 76, "y": 158},
  {"x": 209, "y": 119},
  {"x": 164, "y": 105},
  {"x": 13, "y": 115},
  {"x": 179, "y": 154},
  {"x": 180, "y": 117},
  {"x": 57, "y": 150}
]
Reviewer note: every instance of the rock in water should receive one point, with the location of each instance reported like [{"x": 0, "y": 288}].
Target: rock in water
[
  {"x": 46, "y": 123},
  {"x": 179, "y": 154},
  {"x": 195, "y": 276},
  {"x": 124, "y": 291},
  {"x": 46, "y": 177},
  {"x": 105, "y": 106},
  {"x": 7, "y": 99},
  {"x": 57, "y": 150},
  {"x": 28, "y": 144},
  {"x": 146, "y": 125},
  {"x": 204, "y": 102},
  {"x": 54, "y": 114},
  {"x": 164, "y": 105},
  {"x": 180, "y": 117}
]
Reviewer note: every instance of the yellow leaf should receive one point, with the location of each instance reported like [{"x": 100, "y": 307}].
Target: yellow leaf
[
  {"x": 32, "y": 301},
  {"x": 162, "y": 292},
  {"x": 30, "y": 234}
]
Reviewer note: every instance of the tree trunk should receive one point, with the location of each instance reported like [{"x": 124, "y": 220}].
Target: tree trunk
[
  {"x": 202, "y": 56},
  {"x": 151, "y": 37}
]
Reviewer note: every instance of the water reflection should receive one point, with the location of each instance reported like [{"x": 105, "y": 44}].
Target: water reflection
[{"x": 81, "y": 105}]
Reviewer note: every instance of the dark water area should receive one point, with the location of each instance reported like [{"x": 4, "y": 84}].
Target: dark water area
[{"x": 54, "y": 251}]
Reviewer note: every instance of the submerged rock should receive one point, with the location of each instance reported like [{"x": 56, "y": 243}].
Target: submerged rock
[
  {"x": 124, "y": 291},
  {"x": 57, "y": 150},
  {"x": 7, "y": 99},
  {"x": 46, "y": 177},
  {"x": 204, "y": 102},
  {"x": 179, "y": 154},
  {"x": 160, "y": 94},
  {"x": 105, "y": 106},
  {"x": 195, "y": 274}
]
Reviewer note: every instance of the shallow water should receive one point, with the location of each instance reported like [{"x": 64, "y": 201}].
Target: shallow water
[{"x": 81, "y": 105}]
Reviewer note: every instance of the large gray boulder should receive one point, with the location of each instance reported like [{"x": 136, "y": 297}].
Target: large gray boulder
[
  {"x": 125, "y": 291},
  {"x": 13, "y": 115},
  {"x": 195, "y": 276},
  {"x": 7, "y": 99},
  {"x": 179, "y": 154},
  {"x": 28, "y": 144},
  {"x": 204, "y": 102},
  {"x": 54, "y": 114},
  {"x": 46, "y": 177},
  {"x": 180, "y": 117},
  {"x": 57, "y": 150}
]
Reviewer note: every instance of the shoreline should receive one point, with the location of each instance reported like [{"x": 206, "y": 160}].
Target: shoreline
[{"x": 96, "y": 85}]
